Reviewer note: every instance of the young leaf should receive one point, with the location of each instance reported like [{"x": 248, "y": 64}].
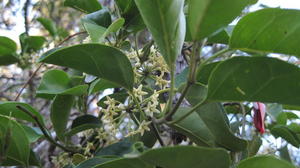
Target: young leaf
[
  {"x": 166, "y": 21},
  {"x": 96, "y": 59},
  {"x": 16, "y": 145},
  {"x": 264, "y": 162},
  {"x": 49, "y": 25},
  {"x": 260, "y": 79},
  {"x": 278, "y": 32},
  {"x": 31, "y": 43},
  {"x": 56, "y": 82},
  {"x": 8, "y": 50},
  {"x": 87, "y": 6},
  {"x": 208, "y": 16},
  {"x": 60, "y": 111}
]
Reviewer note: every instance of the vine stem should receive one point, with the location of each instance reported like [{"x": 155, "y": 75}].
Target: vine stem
[
  {"x": 41, "y": 65},
  {"x": 45, "y": 133}
]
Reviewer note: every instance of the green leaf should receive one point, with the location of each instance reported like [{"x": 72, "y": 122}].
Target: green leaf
[
  {"x": 208, "y": 127},
  {"x": 32, "y": 133},
  {"x": 49, "y": 25},
  {"x": 31, "y": 44},
  {"x": 204, "y": 72},
  {"x": 208, "y": 16},
  {"x": 100, "y": 18},
  {"x": 10, "y": 109},
  {"x": 174, "y": 157},
  {"x": 60, "y": 111},
  {"x": 264, "y": 162},
  {"x": 96, "y": 23},
  {"x": 100, "y": 85},
  {"x": 93, "y": 162},
  {"x": 129, "y": 11},
  {"x": 277, "y": 33},
  {"x": 87, "y": 6},
  {"x": 287, "y": 134},
  {"x": 166, "y": 21},
  {"x": 57, "y": 82},
  {"x": 221, "y": 37},
  {"x": 117, "y": 149},
  {"x": 8, "y": 50},
  {"x": 114, "y": 27},
  {"x": 96, "y": 59},
  {"x": 34, "y": 160},
  {"x": 16, "y": 145},
  {"x": 83, "y": 123},
  {"x": 255, "y": 79}
]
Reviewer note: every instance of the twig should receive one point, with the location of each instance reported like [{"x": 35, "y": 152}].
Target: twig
[
  {"x": 45, "y": 133},
  {"x": 69, "y": 37},
  {"x": 28, "y": 81}
]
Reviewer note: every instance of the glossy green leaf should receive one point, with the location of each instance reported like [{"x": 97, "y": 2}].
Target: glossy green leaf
[
  {"x": 208, "y": 127},
  {"x": 100, "y": 18},
  {"x": 287, "y": 134},
  {"x": 98, "y": 33},
  {"x": 14, "y": 143},
  {"x": 129, "y": 11},
  {"x": 56, "y": 82},
  {"x": 255, "y": 79},
  {"x": 95, "y": 59},
  {"x": 166, "y": 21},
  {"x": 208, "y": 16},
  {"x": 96, "y": 24},
  {"x": 114, "y": 27},
  {"x": 49, "y": 25},
  {"x": 277, "y": 33},
  {"x": 100, "y": 85},
  {"x": 87, "y": 6},
  {"x": 10, "y": 109},
  {"x": 204, "y": 72},
  {"x": 83, "y": 123},
  {"x": 264, "y": 162},
  {"x": 8, "y": 50},
  {"x": 34, "y": 160},
  {"x": 31, "y": 43},
  {"x": 60, "y": 111},
  {"x": 117, "y": 149},
  {"x": 174, "y": 157}
]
